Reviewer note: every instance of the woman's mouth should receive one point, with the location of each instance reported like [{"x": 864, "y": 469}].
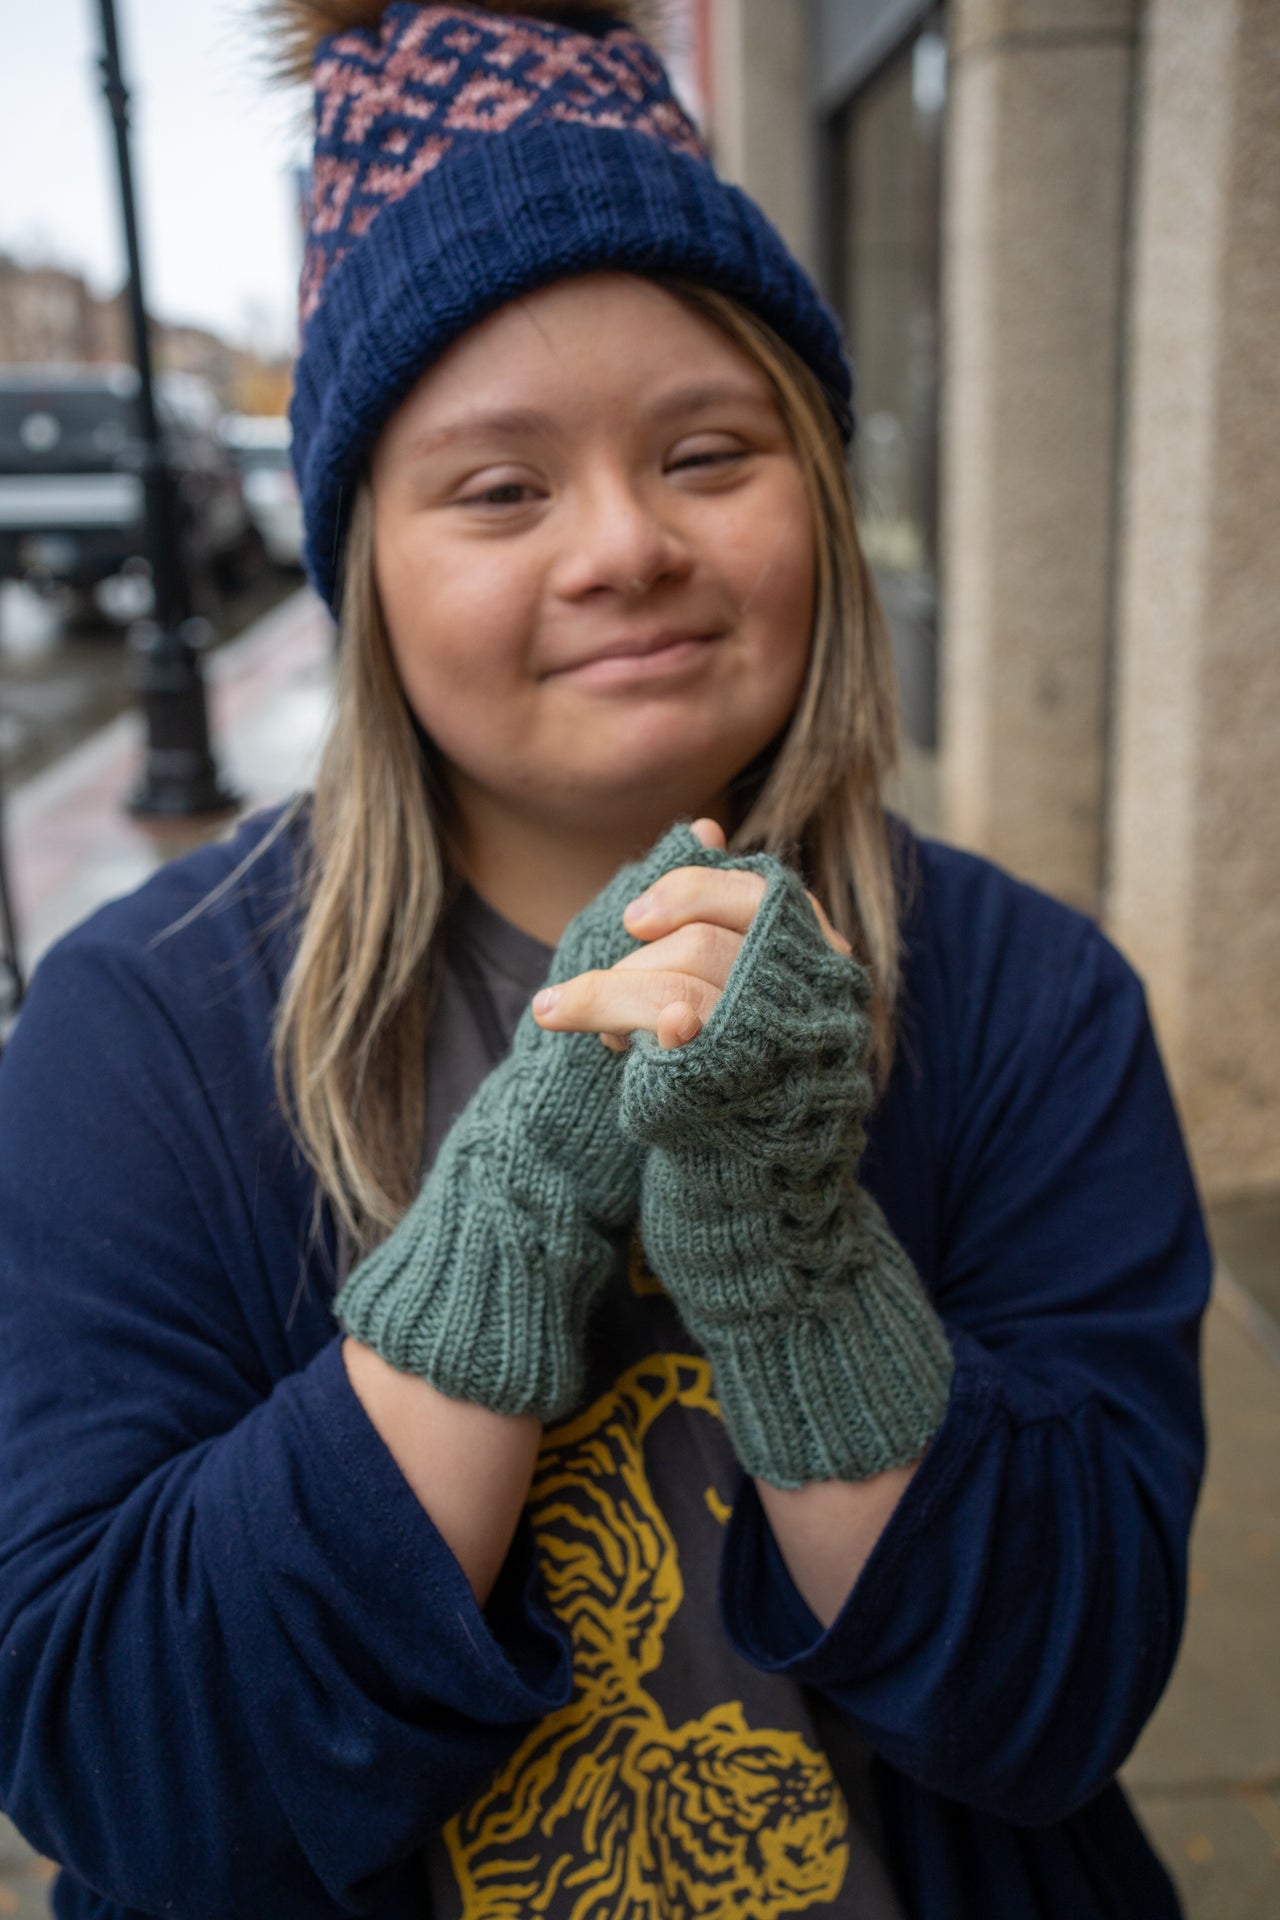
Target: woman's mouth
[{"x": 640, "y": 658}]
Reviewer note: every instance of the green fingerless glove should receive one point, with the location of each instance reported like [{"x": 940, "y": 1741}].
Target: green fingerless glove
[
  {"x": 829, "y": 1362},
  {"x": 485, "y": 1285}
]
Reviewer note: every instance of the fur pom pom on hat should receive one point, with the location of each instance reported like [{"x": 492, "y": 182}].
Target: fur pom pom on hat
[
  {"x": 466, "y": 154},
  {"x": 298, "y": 26}
]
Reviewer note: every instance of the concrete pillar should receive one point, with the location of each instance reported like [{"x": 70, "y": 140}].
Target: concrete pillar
[
  {"x": 1194, "y": 893},
  {"x": 1033, "y": 279},
  {"x": 762, "y": 124}
]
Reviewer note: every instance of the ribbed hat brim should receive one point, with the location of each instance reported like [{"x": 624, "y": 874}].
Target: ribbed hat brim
[{"x": 497, "y": 221}]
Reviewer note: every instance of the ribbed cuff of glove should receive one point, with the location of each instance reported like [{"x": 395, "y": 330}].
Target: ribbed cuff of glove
[
  {"x": 829, "y": 1362},
  {"x": 852, "y": 1384},
  {"x": 486, "y": 1285}
]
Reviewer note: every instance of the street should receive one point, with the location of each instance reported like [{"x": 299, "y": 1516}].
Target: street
[{"x": 60, "y": 680}]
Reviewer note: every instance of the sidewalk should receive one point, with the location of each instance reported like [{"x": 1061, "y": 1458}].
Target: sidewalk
[
  {"x": 1206, "y": 1776},
  {"x": 70, "y": 843}
]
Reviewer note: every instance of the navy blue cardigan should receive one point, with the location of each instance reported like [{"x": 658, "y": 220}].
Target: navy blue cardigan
[{"x": 239, "y": 1671}]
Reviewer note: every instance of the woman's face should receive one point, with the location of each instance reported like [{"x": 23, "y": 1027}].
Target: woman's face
[{"x": 595, "y": 557}]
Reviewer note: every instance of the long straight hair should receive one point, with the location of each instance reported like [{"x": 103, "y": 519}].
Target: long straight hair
[{"x": 351, "y": 1029}]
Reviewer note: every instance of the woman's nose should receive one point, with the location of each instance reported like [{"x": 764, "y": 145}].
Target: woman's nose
[{"x": 619, "y": 540}]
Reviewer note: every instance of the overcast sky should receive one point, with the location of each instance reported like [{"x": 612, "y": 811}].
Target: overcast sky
[{"x": 213, "y": 146}]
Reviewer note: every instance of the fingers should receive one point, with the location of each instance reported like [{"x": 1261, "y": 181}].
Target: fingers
[
  {"x": 692, "y": 921},
  {"x": 715, "y": 896},
  {"x": 677, "y": 1025},
  {"x": 616, "y": 1003},
  {"x": 694, "y": 962},
  {"x": 701, "y": 949},
  {"x": 829, "y": 934},
  {"x": 720, "y": 896}
]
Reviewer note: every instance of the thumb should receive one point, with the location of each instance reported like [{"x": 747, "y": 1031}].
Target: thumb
[{"x": 709, "y": 833}]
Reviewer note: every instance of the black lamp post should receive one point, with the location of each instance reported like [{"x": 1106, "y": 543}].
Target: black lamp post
[
  {"x": 12, "y": 985},
  {"x": 179, "y": 776}
]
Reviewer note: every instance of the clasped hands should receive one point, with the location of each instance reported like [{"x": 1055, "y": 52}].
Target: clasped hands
[
  {"x": 693, "y": 922},
  {"x": 827, "y": 1359}
]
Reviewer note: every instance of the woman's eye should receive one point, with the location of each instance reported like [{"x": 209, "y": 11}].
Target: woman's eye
[
  {"x": 708, "y": 457},
  {"x": 506, "y": 493}
]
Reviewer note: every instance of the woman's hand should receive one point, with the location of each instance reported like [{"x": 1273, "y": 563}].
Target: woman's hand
[
  {"x": 693, "y": 921},
  {"x": 782, "y": 1269}
]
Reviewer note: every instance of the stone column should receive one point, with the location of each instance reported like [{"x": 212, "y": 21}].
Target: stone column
[
  {"x": 1194, "y": 893},
  {"x": 1033, "y": 275},
  {"x": 763, "y": 124}
]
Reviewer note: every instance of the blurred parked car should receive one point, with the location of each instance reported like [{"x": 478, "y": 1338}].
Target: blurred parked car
[
  {"x": 72, "y": 507},
  {"x": 260, "y": 447}
]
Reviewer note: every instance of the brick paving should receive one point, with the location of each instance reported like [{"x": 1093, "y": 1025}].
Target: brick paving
[{"x": 1206, "y": 1775}]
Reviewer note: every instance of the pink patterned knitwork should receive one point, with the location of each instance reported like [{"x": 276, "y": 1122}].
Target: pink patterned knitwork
[{"x": 391, "y": 105}]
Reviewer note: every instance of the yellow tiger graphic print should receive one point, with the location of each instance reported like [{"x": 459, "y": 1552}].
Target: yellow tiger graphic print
[{"x": 607, "y": 1812}]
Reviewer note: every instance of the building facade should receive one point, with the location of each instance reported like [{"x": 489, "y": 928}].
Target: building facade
[
  {"x": 1052, "y": 230},
  {"x": 49, "y": 317},
  {"x": 46, "y": 307}
]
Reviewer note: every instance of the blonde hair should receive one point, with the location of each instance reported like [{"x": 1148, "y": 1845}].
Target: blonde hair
[{"x": 351, "y": 1030}]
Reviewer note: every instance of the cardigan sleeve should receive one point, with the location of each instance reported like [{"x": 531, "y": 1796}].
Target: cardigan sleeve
[
  {"x": 238, "y": 1665},
  {"x": 1018, "y": 1618}
]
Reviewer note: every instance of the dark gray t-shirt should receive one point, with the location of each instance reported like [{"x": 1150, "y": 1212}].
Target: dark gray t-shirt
[{"x": 679, "y": 1780}]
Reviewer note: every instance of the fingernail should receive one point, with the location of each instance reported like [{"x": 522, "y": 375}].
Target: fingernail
[
  {"x": 689, "y": 1029},
  {"x": 640, "y": 907},
  {"x": 548, "y": 998}
]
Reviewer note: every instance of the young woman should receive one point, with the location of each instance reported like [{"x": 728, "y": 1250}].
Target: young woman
[{"x": 589, "y": 1327}]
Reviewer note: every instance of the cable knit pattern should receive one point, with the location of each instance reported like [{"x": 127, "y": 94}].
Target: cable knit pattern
[
  {"x": 829, "y": 1362},
  {"x": 485, "y": 1286}
]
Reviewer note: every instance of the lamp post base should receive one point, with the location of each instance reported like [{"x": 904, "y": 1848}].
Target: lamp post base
[{"x": 179, "y": 776}]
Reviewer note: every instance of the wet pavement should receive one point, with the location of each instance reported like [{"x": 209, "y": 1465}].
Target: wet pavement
[
  {"x": 61, "y": 679},
  {"x": 25, "y": 1878},
  {"x": 71, "y": 844},
  {"x": 1246, "y": 1235},
  {"x": 1206, "y": 1775}
]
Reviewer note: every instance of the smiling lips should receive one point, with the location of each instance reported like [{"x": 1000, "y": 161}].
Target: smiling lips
[{"x": 639, "y": 656}]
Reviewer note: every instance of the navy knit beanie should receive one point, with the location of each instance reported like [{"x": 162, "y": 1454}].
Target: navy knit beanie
[{"x": 466, "y": 154}]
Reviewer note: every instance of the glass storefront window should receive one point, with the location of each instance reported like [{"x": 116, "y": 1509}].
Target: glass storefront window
[{"x": 888, "y": 141}]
